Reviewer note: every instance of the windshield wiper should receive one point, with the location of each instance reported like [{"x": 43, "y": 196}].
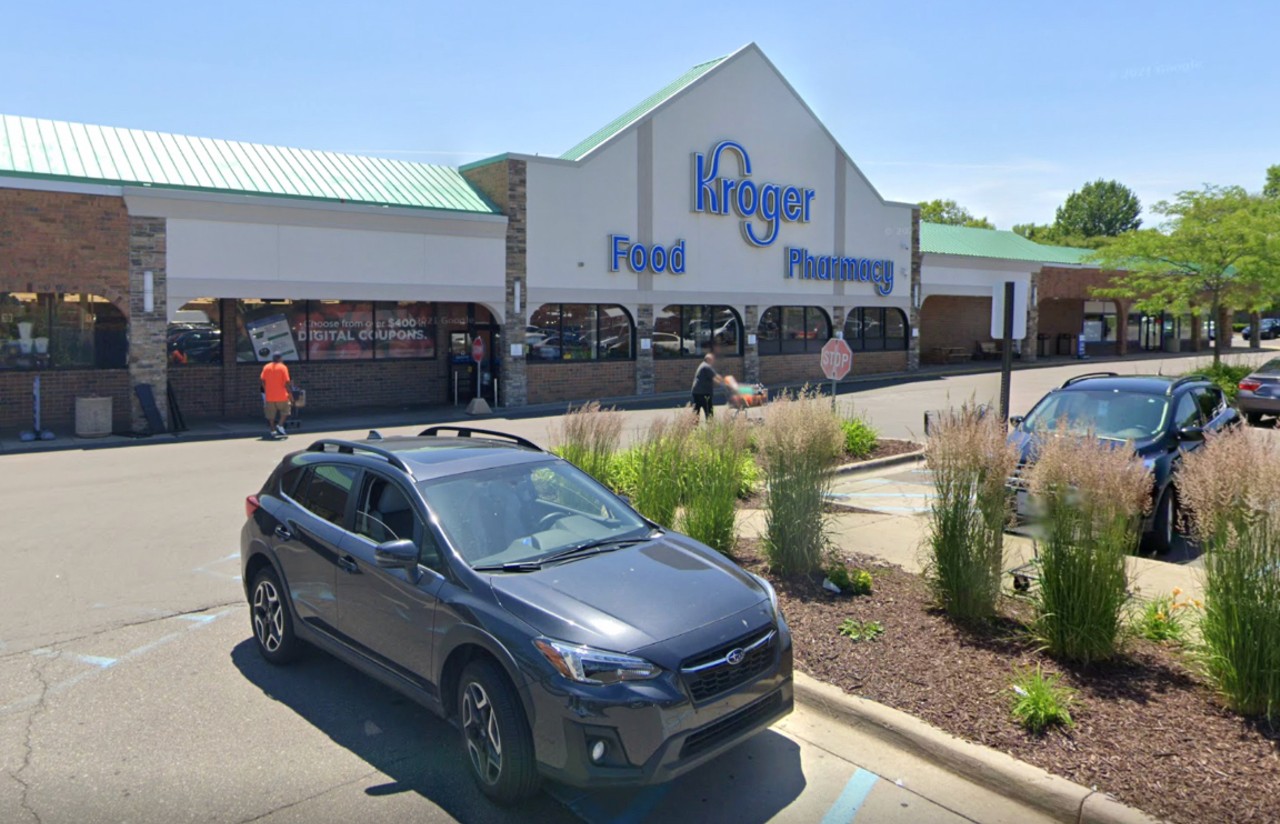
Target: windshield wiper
[
  {"x": 594, "y": 547},
  {"x": 510, "y": 566}
]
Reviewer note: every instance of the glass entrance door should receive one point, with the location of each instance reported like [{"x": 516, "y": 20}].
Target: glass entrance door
[{"x": 465, "y": 324}]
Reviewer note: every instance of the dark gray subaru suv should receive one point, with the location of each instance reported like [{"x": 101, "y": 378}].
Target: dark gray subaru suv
[{"x": 508, "y": 591}]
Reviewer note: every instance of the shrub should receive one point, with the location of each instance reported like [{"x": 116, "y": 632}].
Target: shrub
[
  {"x": 1226, "y": 376},
  {"x": 857, "y": 631},
  {"x": 854, "y": 582},
  {"x": 1231, "y": 488},
  {"x": 588, "y": 437},
  {"x": 798, "y": 444},
  {"x": 971, "y": 461},
  {"x": 1040, "y": 701},
  {"x": 712, "y": 476},
  {"x": 1091, "y": 494},
  {"x": 860, "y": 437},
  {"x": 1163, "y": 618},
  {"x": 659, "y": 468}
]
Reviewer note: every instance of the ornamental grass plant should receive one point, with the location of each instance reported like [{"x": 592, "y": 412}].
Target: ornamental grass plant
[
  {"x": 711, "y": 479},
  {"x": 587, "y": 437},
  {"x": 1231, "y": 489},
  {"x": 1090, "y": 495},
  {"x": 655, "y": 485},
  {"x": 971, "y": 461},
  {"x": 798, "y": 448}
]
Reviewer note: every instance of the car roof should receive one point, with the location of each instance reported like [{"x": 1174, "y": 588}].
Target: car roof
[
  {"x": 1148, "y": 384},
  {"x": 424, "y": 458}
]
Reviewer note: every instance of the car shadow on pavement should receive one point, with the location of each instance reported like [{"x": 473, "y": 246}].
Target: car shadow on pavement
[
  {"x": 417, "y": 750},
  {"x": 421, "y": 753}
]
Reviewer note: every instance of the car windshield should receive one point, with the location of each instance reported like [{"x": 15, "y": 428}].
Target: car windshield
[
  {"x": 1122, "y": 416},
  {"x": 527, "y": 512}
]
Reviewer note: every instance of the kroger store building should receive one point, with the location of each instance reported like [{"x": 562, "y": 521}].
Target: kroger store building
[{"x": 719, "y": 212}]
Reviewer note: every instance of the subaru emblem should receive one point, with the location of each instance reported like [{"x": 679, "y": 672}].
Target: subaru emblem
[{"x": 735, "y": 656}]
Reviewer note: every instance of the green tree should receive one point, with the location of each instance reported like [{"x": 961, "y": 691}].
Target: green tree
[
  {"x": 1272, "y": 187},
  {"x": 1103, "y": 208},
  {"x": 1208, "y": 252},
  {"x": 952, "y": 213}
]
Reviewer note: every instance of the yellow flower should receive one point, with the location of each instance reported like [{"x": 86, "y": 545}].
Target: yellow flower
[
  {"x": 1160, "y": 616},
  {"x": 1199, "y": 604},
  {"x": 1177, "y": 591}
]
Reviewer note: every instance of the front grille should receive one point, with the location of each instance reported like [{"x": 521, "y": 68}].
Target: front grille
[
  {"x": 729, "y": 726},
  {"x": 710, "y": 674}
]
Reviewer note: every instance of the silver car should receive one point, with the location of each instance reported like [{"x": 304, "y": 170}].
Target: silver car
[{"x": 1260, "y": 392}]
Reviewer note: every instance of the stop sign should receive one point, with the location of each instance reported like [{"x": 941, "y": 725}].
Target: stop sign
[
  {"x": 477, "y": 349},
  {"x": 837, "y": 359}
]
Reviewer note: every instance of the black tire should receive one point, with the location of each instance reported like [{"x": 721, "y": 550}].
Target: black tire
[
  {"x": 1254, "y": 418},
  {"x": 489, "y": 709},
  {"x": 1165, "y": 524},
  {"x": 271, "y": 620}
]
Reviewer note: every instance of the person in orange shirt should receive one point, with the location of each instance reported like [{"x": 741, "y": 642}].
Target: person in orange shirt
[{"x": 276, "y": 397}]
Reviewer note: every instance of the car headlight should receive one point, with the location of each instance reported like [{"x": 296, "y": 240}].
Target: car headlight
[{"x": 588, "y": 665}]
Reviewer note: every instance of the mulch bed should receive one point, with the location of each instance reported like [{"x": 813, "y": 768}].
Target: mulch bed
[{"x": 1147, "y": 729}]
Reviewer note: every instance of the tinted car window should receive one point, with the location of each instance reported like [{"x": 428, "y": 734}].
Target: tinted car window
[
  {"x": 1271, "y": 367},
  {"x": 1210, "y": 401},
  {"x": 1187, "y": 412},
  {"x": 289, "y": 483},
  {"x": 327, "y": 492},
  {"x": 1105, "y": 413}
]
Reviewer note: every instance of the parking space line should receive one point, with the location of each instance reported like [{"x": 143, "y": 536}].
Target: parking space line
[{"x": 850, "y": 801}]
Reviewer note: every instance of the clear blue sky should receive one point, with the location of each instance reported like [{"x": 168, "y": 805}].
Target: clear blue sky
[{"x": 1005, "y": 107}]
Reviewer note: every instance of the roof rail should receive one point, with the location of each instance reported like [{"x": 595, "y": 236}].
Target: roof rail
[
  {"x": 1186, "y": 379},
  {"x": 1087, "y": 375},
  {"x": 351, "y": 447},
  {"x": 467, "y": 432}
]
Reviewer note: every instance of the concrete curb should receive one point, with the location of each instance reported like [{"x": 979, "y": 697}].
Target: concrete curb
[
  {"x": 1056, "y": 797},
  {"x": 880, "y": 463}
]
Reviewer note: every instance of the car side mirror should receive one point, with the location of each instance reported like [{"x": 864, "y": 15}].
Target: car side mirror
[
  {"x": 1016, "y": 421},
  {"x": 1191, "y": 433},
  {"x": 399, "y": 554}
]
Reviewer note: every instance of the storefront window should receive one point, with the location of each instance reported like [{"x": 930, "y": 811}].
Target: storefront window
[
  {"x": 334, "y": 330},
  {"x": 68, "y": 331},
  {"x": 1100, "y": 325},
  {"x": 690, "y": 331},
  {"x": 876, "y": 329},
  {"x": 195, "y": 333},
  {"x": 579, "y": 331},
  {"x": 405, "y": 329},
  {"x": 789, "y": 330}
]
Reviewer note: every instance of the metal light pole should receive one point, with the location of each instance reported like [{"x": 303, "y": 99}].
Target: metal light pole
[{"x": 1006, "y": 352}]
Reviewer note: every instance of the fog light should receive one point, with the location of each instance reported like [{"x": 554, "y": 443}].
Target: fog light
[{"x": 598, "y": 750}]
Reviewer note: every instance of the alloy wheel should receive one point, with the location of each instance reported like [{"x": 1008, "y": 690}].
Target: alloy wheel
[
  {"x": 268, "y": 616},
  {"x": 480, "y": 726}
]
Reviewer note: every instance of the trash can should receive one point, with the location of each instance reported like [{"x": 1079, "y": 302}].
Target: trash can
[
  {"x": 1066, "y": 344},
  {"x": 1042, "y": 345},
  {"x": 93, "y": 417}
]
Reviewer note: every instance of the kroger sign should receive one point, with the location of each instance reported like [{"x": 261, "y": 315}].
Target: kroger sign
[{"x": 767, "y": 203}]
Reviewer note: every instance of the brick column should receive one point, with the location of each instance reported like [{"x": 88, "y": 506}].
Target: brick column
[
  {"x": 646, "y": 381},
  {"x": 1029, "y": 343},
  {"x": 1122, "y": 327},
  {"x": 913, "y": 342},
  {"x": 147, "y": 330},
  {"x": 750, "y": 351}
]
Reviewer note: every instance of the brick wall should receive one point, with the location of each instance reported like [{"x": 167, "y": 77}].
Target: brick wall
[
  {"x": 58, "y": 391},
  {"x": 676, "y": 374},
  {"x": 569, "y": 381},
  {"x": 951, "y": 321},
  {"x": 776, "y": 370},
  {"x": 341, "y": 385},
  {"x": 60, "y": 242}
]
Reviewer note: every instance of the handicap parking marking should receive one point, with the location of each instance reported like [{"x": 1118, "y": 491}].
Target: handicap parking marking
[{"x": 845, "y": 809}]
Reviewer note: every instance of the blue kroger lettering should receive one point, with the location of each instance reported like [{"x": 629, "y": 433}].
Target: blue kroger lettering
[
  {"x": 771, "y": 203},
  {"x": 638, "y": 257},
  {"x": 804, "y": 266}
]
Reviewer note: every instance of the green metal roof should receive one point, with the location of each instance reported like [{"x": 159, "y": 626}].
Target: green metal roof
[
  {"x": 54, "y": 150},
  {"x": 944, "y": 239},
  {"x": 641, "y": 109}
]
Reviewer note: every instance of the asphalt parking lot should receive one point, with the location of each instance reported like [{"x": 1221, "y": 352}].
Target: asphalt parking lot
[{"x": 130, "y": 690}]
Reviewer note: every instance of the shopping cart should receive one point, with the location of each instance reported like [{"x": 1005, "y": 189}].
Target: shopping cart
[
  {"x": 744, "y": 397},
  {"x": 299, "y": 401}
]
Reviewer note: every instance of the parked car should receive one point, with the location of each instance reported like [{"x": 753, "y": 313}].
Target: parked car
[
  {"x": 508, "y": 591},
  {"x": 1259, "y": 393},
  {"x": 1161, "y": 417},
  {"x": 1268, "y": 329}
]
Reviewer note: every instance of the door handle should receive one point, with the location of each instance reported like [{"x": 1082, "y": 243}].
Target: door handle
[
  {"x": 282, "y": 533},
  {"x": 348, "y": 564}
]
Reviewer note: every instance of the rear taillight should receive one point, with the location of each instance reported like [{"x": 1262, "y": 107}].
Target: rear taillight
[
  {"x": 1249, "y": 384},
  {"x": 251, "y": 506}
]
